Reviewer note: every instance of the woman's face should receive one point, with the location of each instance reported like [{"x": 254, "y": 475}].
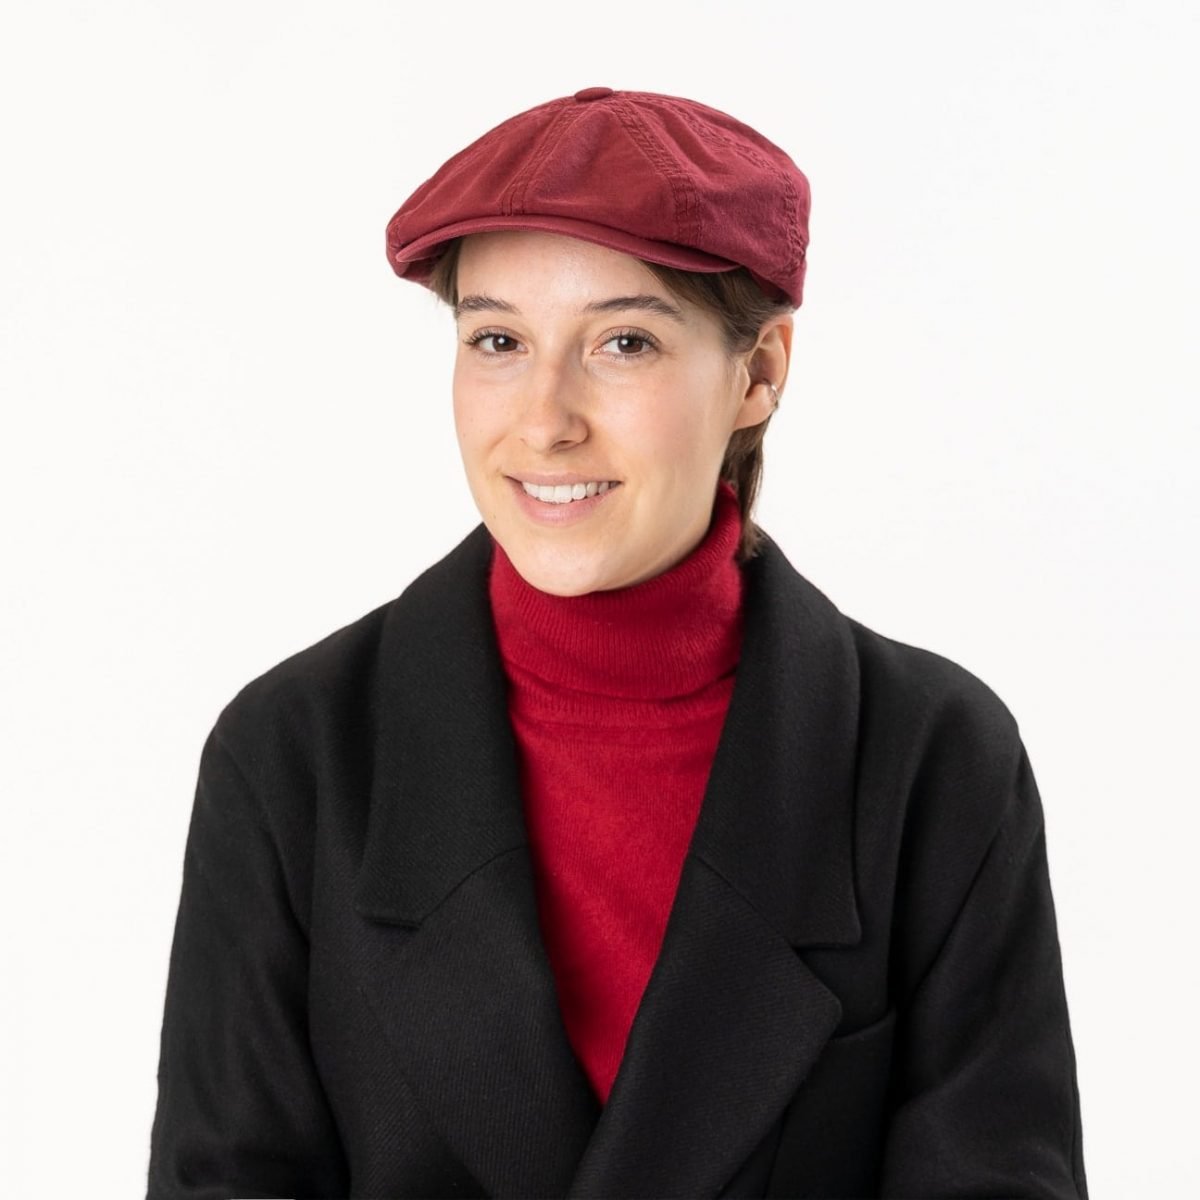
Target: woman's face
[{"x": 578, "y": 371}]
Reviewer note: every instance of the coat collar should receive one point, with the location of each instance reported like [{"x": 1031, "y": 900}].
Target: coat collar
[{"x": 732, "y": 1018}]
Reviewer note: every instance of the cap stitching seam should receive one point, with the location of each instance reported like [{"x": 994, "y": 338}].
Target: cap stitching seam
[
  {"x": 520, "y": 178},
  {"x": 763, "y": 162},
  {"x": 558, "y": 129},
  {"x": 485, "y": 142},
  {"x": 759, "y": 159},
  {"x": 688, "y": 228}
]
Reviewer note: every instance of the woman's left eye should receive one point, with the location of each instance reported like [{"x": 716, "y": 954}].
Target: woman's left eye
[{"x": 632, "y": 344}]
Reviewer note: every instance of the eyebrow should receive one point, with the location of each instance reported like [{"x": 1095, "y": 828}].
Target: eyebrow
[{"x": 640, "y": 303}]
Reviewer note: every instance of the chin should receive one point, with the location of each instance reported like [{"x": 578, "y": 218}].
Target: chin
[
  {"x": 556, "y": 583},
  {"x": 561, "y": 576}
]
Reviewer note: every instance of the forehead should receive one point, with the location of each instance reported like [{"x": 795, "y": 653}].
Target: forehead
[{"x": 525, "y": 254}]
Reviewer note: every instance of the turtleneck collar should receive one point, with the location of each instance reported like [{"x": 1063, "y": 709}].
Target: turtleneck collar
[{"x": 665, "y": 637}]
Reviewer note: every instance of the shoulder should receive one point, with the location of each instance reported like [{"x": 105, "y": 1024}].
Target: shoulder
[
  {"x": 938, "y": 752},
  {"x": 943, "y": 732},
  {"x": 937, "y": 699},
  {"x": 332, "y": 684},
  {"x": 943, "y": 769},
  {"x": 912, "y": 701},
  {"x": 938, "y": 756},
  {"x": 321, "y": 699},
  {"x": 278, "y": 722}
]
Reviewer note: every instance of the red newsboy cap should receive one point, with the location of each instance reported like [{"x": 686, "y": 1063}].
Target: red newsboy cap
[{"x": 659, "y": 177}]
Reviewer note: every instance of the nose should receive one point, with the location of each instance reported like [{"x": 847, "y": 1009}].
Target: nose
[{"x": 551, "y": 415}]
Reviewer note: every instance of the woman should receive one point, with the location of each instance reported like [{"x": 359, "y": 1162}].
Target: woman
[{"x": 610, "y": 858}]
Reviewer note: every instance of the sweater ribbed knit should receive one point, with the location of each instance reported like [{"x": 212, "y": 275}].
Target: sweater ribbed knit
[{"x": 617, "y": 699}]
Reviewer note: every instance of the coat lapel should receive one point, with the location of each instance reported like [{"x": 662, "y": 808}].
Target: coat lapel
[{"x": 732, "y": 1018}]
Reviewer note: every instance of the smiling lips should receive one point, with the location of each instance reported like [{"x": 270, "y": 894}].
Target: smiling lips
[{"x": 564, "y": 493}]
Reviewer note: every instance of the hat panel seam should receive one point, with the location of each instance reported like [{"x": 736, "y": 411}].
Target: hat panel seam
[
  {"x": 555, "y": 132},
  {"x": 485, "y": 141},
  {"x": 742, "y": 148},
  {"x": 689, "y": 228},
  {"x": 756, "y": 157},
  {"x": 759, "y": 159}
]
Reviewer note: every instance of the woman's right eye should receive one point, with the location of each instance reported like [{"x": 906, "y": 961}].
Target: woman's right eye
[{"x": 501, "y": 342}]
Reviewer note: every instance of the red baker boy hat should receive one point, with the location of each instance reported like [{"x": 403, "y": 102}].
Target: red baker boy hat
[{"x": 662, "y": 178}]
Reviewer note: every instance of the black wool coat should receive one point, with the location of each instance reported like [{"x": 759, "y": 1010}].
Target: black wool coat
[{"x": 859, "y": 991}]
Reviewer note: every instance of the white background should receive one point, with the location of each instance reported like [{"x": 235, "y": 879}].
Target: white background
[{"x": 227, "y": 432}]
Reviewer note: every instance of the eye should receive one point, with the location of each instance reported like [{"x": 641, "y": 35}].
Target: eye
[
  {"x": 502, "y": 343},
  {"x": 632, "y": 343}
]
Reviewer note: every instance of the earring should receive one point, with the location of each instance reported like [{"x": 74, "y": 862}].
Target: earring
[{"x": 774, "y": 393}]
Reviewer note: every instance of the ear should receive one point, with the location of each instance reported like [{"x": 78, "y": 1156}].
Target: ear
[{"x": 767, "y": 363}]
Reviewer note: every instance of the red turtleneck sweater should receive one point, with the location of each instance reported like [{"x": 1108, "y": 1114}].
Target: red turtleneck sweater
[{"x": 617, "y": 699}]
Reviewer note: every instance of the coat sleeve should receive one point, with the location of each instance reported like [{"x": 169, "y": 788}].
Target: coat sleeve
[
  {"x": 986, "y": 1100},
  {"x": 240, "y": 1110}
]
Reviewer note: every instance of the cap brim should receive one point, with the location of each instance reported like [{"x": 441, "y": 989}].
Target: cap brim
[{"x": 415, "y": 260}]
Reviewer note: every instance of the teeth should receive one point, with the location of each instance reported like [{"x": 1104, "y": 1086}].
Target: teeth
[{"x": 564, "y": 493}]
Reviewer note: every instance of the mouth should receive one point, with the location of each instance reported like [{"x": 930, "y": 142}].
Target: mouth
[
  {"x": 561, "y": 504},
  {"x": 567, "y": 493}
]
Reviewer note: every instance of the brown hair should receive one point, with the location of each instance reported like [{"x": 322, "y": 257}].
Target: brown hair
[{"x": 741, "y": 307}]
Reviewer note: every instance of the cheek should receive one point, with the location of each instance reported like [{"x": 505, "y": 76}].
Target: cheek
[
  {"x": 474, "y": 418},
  {"x": 460, "y": 389},
  {"x": 651, "y": 420},
  {"x": 685, "y": 423}
]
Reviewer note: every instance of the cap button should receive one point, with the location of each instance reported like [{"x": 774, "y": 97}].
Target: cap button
[{"x": 593, "y": 93}]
